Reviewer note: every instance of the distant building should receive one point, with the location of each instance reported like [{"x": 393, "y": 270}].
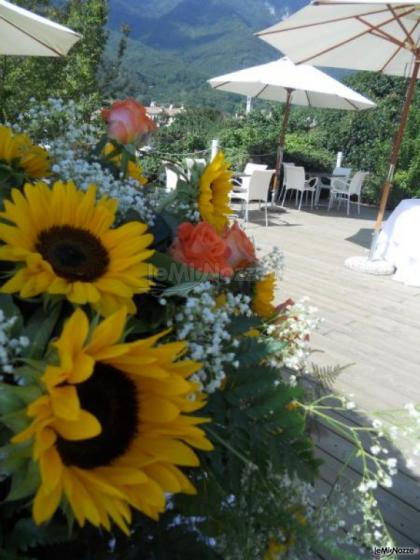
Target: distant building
[{"x": 163, "y": 115}]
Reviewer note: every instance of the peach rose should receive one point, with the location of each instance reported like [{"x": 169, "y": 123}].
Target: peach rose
[
  {"x": 127, "y": 121},
  {"x": 242, "y": 250},
  {"x": 201, "y": 247}
]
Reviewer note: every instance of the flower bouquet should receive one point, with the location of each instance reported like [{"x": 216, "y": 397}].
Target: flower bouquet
[{"x": 147, "y": 410}]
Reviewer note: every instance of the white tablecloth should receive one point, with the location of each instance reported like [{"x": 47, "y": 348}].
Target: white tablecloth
[{"x": 399, "y": 242}]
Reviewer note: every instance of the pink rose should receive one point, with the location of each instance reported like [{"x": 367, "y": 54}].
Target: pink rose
[
  {"x": 242, "y": 250},
  {"x": 127, "y": 121}
]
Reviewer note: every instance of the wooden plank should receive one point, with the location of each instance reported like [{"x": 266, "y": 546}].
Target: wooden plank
[
  {"x": 403, "y": 519},
  {"x": 373, "y": 322},
  {"x": 405, "y": 489},
  {"x": 322, "y": 487},
  {"x": 356, "y": 419}
]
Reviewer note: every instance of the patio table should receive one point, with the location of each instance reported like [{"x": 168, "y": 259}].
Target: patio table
[
  {"x": 320, "y": 185},
  {"x": 237, "y": 186}
]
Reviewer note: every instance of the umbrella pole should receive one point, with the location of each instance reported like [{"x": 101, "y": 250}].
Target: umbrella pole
[
  {"x": 280, "y": 145},
  {"x": 411, "y": 88}
]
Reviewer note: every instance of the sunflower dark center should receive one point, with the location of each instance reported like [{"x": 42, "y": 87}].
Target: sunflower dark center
[
  {"x": 112, "y": 397},
  {"x": 74, "y": 253}
]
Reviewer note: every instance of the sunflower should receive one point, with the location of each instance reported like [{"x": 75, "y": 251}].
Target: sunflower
[
  {"x": 262, "y": 302},
  {"x": 276, "y": 550},
  {"x": 110, "y": 430},
  {"x": 62, "y": 239},
  {"x": 134, "y": 170},
  {"x": 22, "y": 159},
  {"x": 214, "y": 188}
]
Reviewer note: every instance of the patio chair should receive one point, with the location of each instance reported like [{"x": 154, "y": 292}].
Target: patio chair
[
  {"x": 294, "y": 180},
  {"x": 325, "y": 180},
  {"x": 242, "y": 182},
  {"x": 191, "y": 161},
  {"x": 258, "y": 191},
  {"x": 281, "y": 190},
  {"x": 341, "y": 190},
  {"x": 171, "y": 179}
]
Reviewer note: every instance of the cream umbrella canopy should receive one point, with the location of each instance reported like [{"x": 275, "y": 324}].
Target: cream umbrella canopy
[
  {"x": 23, "y": 33},
  {"x": 284, "y": 81},
  {"x": 362, "y": 35}
]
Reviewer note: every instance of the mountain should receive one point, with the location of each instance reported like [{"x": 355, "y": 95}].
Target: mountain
[{"x": 176, "y": 45}]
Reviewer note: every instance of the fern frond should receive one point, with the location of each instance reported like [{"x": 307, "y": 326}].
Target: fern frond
[{"x": 327, "y": 375}]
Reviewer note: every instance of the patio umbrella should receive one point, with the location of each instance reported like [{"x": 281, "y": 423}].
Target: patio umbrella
[
  {"x": 26, "y": 34},
  {"x": 362, "y": 35},
  {"x": 284, "y": 81}
]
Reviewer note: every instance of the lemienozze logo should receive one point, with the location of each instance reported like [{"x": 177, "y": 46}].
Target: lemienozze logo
[{"x": 387, "y": 552}]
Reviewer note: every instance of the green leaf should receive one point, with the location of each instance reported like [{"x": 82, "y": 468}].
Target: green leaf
[
  {"x": 39, "y": 330},
  {"x": 172, "y": 272},
  {"x": 181, "y": 290},
  {"x": 9, "y": 309},
  {"x": 15, "y": 421},
  {"x": 31, "y": 372},
  {"x": 241, "y": 324},
  {"x": 163, "y": 231},
  {"x": 27, "y": 535},
  {"x": 9, "y": 402},
  {"x": 252, "y": 350},
  {"x": 24, "y": 393},
  {"x": 13, "y": 457},
  {"x": 25, "y": 481}
]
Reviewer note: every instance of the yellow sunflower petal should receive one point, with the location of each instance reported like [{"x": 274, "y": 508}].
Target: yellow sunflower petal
[
  {"x": 45, "y": 504},
  {"x": 108, "y": 332},
  {"x": 80, "y": 499},
  {"x": 86, "y": 426},
  {"x": 51, "y": 468},
  {"x": 18, "y": 152},
  {"x": 154, "y": 409},
  {"x": 170, "y": 450},
  {"x": 83, "y": 365},
  {"x": 65, "y": 402},
  {"x": 45, "y": 439},
  {"x": 164, "y": 477},
  {"x": 74, "y": 333}
]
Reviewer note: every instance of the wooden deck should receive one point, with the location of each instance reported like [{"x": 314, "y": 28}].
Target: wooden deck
[{"x": 370, "y": 322}]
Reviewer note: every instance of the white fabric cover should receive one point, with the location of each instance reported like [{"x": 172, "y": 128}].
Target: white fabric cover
[
  {"x": 26, "y": 34},
  {"x": 399, "y": 242},
  {"x": 310, "y": 87}
]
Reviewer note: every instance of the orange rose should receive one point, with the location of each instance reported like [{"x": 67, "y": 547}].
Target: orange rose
[
  {"x": 242, "y": 250},
  {"x": 127, "y": 121},
  {"x": 201, "y": 247}
]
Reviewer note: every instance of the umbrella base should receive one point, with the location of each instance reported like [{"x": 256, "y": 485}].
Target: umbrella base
[{"x": 364, "y": 264}]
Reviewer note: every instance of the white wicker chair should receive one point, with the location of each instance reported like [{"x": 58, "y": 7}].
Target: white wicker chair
[
  {"x": 190, "y": 163},
  {"x": 294, "y": 180},
  {"x": 241, "y": 183},
  {"x": 344, "y": 190},
  {"x": 171, "y": 179},
  {"x": 258, "y": 190}
]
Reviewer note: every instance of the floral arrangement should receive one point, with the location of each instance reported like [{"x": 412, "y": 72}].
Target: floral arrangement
[{"x": 149, "y": 395}]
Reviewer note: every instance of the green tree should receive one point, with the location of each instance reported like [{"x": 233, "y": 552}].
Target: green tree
[
  {"x": 72, "y": 77},
  {"x": 366, "y": 137}
]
